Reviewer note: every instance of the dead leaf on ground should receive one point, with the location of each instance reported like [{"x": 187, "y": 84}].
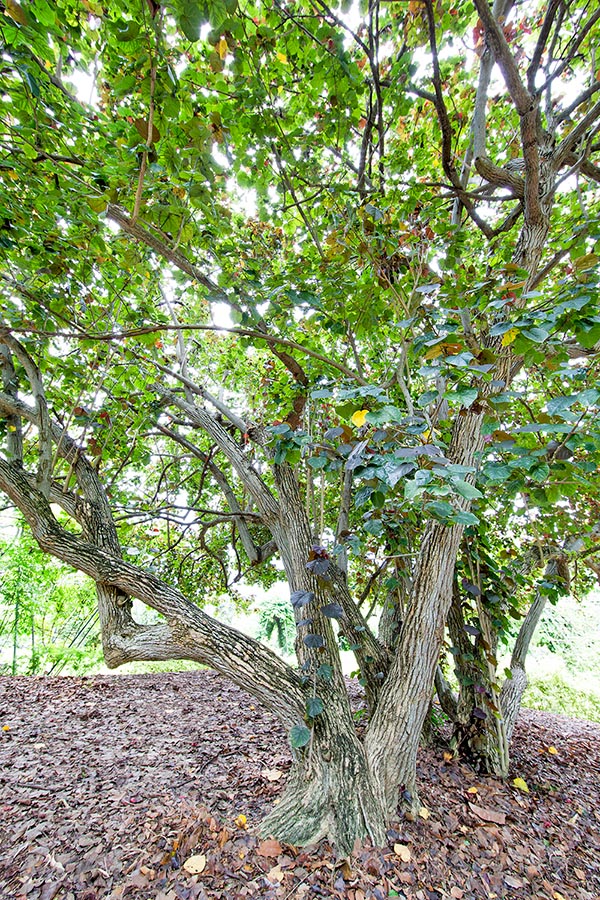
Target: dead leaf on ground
[
  {"x": 195, "y": 864},
  {"x": 403, "y": 852},
  {"x": 269, "y": 848},
  {"x": 275, "y": 874},
  {"x": 272, "y": 774},
  {"x": 488, "y": 815}
]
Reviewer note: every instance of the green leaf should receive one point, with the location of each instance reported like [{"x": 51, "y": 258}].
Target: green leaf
[
  {"x": 465, "y": 518},
  {"x": 466, "y": 490},
  {"x": 439, "y": 509},
  {"x": 314, "y": 641},
  {"x": 332, "y": 611},
  {"x": 465, "y": 396},
  {"x": 325, "y": 671},
  {"x": 191, "y": 16},
  {"x": 314, "y": 707},
  {"x": 299, "y": 736}
]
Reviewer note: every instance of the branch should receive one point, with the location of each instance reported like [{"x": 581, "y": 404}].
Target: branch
[
  {"x": 446, "y": 128},
  {"x": 13, "y": 420},
  {"x": 46, "y": 456},
  {"x": 500, "y": 177},
  {"x": 574, "y": 44},
  {"x": 574, "y": 136},
  {"x": 189, "y": 630},
  {"x": 543, "y": 36},
  {"x": 526, "y": 106},
  {"x": 227, "y": 413},
  {"x": 248, "y": 544},
  {"x": 520, "y": 96},
  {"x": 585, "y": 95},
  {"x": 155, "y": 240},
  {"x": 200, "y": 418}
]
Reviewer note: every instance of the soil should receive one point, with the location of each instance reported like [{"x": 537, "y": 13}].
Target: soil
[{"x": 117, "y": 786}]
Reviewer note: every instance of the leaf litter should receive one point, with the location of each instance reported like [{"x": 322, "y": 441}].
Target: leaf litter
[{"x": 151, "y": 787}]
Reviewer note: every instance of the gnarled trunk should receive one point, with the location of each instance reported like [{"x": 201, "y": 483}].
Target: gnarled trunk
[{"x": 331, "y": 791}]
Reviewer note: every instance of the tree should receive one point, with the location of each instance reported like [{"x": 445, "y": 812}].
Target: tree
[
  {"x": 305, "y": 260},
  {"x": 47, "y": 612}
]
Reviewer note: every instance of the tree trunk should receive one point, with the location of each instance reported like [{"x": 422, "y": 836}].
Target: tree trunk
[
  {"x": 515, "y": 686},
  {"x": 479, "y": 734},
  {"x": 331, "y": 792},
  {"x": 392, "y": 739}
]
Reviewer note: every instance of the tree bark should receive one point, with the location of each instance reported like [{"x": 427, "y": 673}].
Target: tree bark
[
  {"x": 393, "y": 736},
  {"x": 515, "y": 686}
]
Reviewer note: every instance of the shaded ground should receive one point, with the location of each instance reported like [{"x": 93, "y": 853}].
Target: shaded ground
[{"x": 109, "y": 784}]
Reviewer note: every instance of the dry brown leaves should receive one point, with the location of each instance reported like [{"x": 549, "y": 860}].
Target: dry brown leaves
[{"x": 150, "y": 788}]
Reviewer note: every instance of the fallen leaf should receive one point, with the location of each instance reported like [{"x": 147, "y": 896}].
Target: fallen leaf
[
  {"x": 275, "y": 874},
  {"x": 456, "y": 893},
  {"x": 448, "y": 756},
  {"x": 424, "y": 812},
  {"x": 513, "y": 882},
  {"x": 521, "y": 784},
  {"x": 472, "y": 790},
  {"x": 271, "y": 774},
  {"x": 488, "y": 815},
  {"x": 195, "y": 864},
  {"x": 403, "y": 852},
  {"x": 552, "y": 751},
  {"x": 269, "y": 848}
]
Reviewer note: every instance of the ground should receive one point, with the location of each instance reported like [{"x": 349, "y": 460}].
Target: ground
[{"x": 110, "y": 784}]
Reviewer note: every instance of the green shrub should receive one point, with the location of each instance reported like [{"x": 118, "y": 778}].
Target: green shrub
[{"x": 553, "y": 693}]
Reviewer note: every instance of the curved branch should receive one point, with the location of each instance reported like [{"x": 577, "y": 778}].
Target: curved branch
[
  {"x": 188, "y": 631},
  {"x": 200, "y": 418}
]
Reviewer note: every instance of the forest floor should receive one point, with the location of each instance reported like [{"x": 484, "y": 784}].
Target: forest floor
[{"x": 114, "y": 786}]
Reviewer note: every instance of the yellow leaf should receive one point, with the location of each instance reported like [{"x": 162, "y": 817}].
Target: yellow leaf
[
  {"x": 472, "y": 790},
  {"x": 403, "y": 852},
  {"x": 509, "y": 336},
  {"x": 15, "y": 12},
  {"x": 448, "y": 756},
  {"x": 586, "y": 262},
  {"x": 424, "y": 812},
  {"x": 434, "y": 352},
  {"x": 521, "y": 785},
  {"x": 512, "y": 285},
  {"x": 282, "y": 58},
  {"x": 6, "y": 728},
  {"x": 195, "y": 864},
  {"x": 222, "y": 48},
  {"x": 358, "y": 418},
  {"x": 552, "y": 751},
  {"x": 241, "y": 821}
]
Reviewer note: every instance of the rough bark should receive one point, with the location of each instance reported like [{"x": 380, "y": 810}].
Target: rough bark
[
  {"x": 393, "y": 736},
  {"x": 515, "y": 686},
  {"x": 331, "y": 791}
]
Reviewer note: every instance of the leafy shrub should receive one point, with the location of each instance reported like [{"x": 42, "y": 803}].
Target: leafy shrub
[{"x": 553, "y": 693}]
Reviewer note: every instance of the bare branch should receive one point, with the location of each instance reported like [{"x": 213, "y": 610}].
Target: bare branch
[
  {"x": 577, "y": 134},
  {"x": 543, "y": 36},
  {"x": 219, "y": 477}
]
